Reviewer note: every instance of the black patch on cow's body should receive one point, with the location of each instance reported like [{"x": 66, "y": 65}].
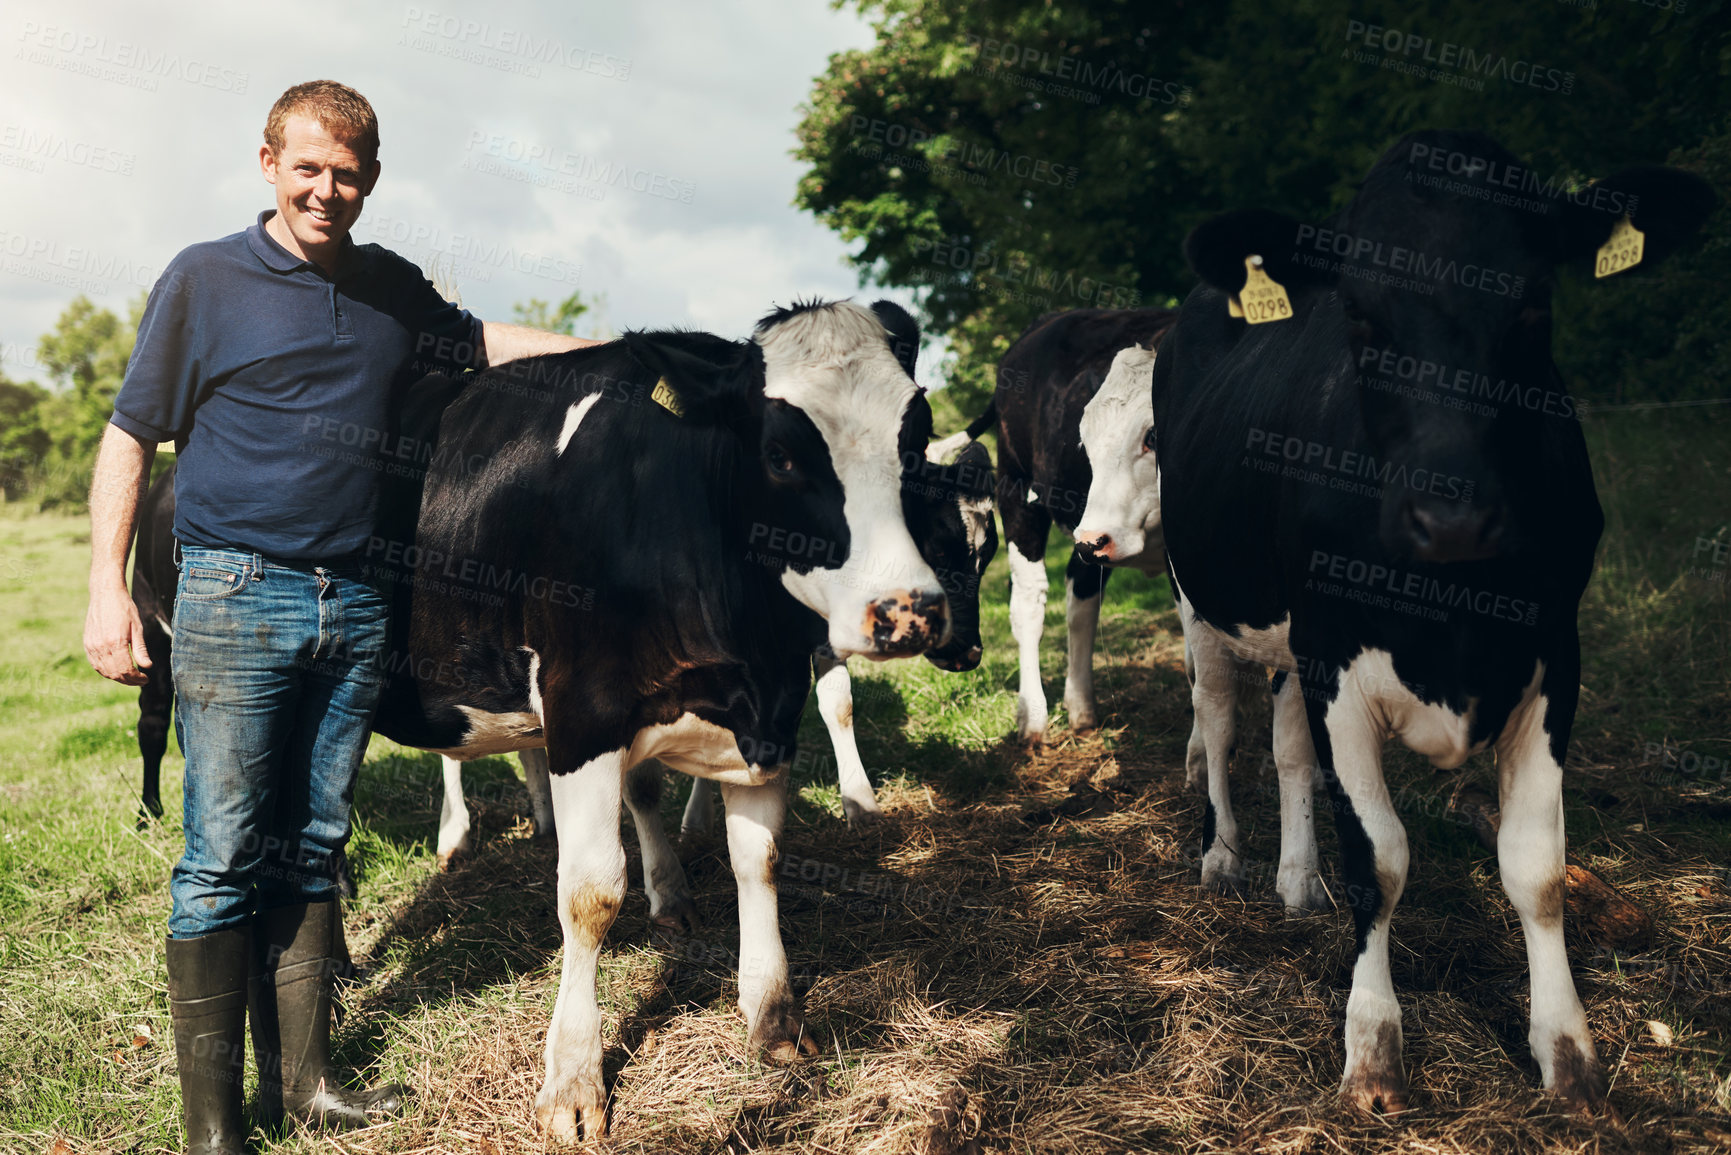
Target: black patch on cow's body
[
  {"x": 1277, "y": 682},
  {"x": 932, "y": 498},
  {"x": 1207, "y": 827}
]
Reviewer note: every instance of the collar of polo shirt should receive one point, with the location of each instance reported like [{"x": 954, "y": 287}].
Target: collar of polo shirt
[{"x": 279, "y": 259}]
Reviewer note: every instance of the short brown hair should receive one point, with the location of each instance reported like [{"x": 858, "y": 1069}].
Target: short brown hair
[{"x": 343, "y": 112}]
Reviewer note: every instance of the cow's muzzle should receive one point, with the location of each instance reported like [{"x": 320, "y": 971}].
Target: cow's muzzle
[
  {"x": 907, "y": 622},
  {"x": 1440, "y": 532}
]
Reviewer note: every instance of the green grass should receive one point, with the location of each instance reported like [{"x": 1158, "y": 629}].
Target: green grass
[{"x": 84, "y": 902}]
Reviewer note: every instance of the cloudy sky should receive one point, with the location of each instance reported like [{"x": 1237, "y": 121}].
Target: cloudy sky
[{"x": 640, "y": 149}]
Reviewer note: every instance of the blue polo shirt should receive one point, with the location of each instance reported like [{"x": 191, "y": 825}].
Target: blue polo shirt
[{"x": 276, "y": 381}]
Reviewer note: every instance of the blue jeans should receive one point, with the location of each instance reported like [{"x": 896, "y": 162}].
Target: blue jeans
[{"x": 277, "y": 673}]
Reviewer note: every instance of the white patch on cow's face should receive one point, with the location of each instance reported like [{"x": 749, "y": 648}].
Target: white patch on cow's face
[
  {"x": 835, "y": 365},
  {"x": 1124, "y": 497},
  {"x": 573, "y": 418}
]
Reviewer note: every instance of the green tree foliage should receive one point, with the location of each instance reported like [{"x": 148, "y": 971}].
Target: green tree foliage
[
  {"x": 560, "y": 318},
  {"x": 1012, "y": 158},
  {"x": 23, "y": 440},
  {"x": 86, "y": 355}
]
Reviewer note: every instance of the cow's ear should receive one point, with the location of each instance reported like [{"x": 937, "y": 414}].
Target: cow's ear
[
  {"x": 697, "y": 375},
  {"x": 1216, "y": 248},
  {"x": 1668, "y": 205},
  {"x": 904, "y": 333},
  {"x": 973, "y": 472}
]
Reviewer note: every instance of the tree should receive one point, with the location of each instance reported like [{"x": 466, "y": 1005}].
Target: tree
[
  {"x": 86, "y": 355},
  {"x": 1008, "y": 158},
  {"x": 560, "y": 318}
]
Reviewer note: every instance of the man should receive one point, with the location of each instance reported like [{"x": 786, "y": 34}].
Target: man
[{"x": 270, "y": 357}]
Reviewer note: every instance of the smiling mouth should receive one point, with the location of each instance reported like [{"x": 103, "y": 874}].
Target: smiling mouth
[{"x": 320, "y": 215}]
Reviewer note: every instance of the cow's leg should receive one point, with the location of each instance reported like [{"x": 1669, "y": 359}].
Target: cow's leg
[
  {"x": 1214, "y": 698},
  {"x": 1084, "y": 586},
  {"x": 1196, "y": 750},
  {"x": 775, "y": 1024},
  {"x": 1026, "y": 528},
  {"x": 535, "y": 777},
  {"x": 670, "y": 904},
  {"x": 586, "y": 805},
  {"x": 453, "y": 815},
  {"x": 699, "y": 815},
  {"x": 835, "y": 703},
  {"x": 155, "y": 709},
  {"x": 1300, "y": 879},
  {"x": 1347, "y": 737},
  {"x": 1530, "y": 848}
]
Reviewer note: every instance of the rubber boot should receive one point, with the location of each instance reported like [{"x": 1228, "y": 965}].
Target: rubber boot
[
  {"x": 299, "y": 954},
  {"x": 207, "y": 991}
]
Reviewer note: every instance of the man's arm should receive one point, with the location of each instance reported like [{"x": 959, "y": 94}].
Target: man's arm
[
  {"x": 510, "y": 342},
  {"x": 113, "y": 633}
]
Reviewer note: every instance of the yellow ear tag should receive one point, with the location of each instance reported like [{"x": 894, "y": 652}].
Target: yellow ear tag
[
  {"x": 665, "y": 397},
  {"x": 1262, "y": 299},
  {"x": 1622, "y": 252},
  {"x": 1232, "y": 309}
]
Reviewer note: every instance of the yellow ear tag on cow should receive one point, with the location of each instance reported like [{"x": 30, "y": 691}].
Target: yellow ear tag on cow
[
  {"x": 665, "y": 397},
  {"x": 1262, "y": 299},
  {"x": 1622, "y": 252},
  {"x": 1232, "y": 309}
]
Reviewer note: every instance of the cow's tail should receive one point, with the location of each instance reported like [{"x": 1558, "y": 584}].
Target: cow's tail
[
  {"x": 984, "y": 421},
  {"x": 940, "y": 450}
]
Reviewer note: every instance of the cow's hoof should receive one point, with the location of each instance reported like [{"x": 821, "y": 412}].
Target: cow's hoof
[
  {"x": 1578, "y": 1079},
  {"x": 1371, "y": 1094},
  {"x": 677, "y": 917},
  {"x": 558, "y": 1115},
  {"x": 1305, "y": 895},
  {"x": 782, "y": 1037},
  {"x": 1222, "y": 873},
  {"x": 449, "y": 859},
  {"x": 861, "y": 811}
]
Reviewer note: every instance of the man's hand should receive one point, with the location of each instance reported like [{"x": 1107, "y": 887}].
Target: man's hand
[
  {"x": 114, "y": 638},
  {"x": 113, "y": 633},
  {"x": 510, "y": 342}
]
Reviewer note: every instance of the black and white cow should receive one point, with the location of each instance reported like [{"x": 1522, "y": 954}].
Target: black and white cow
[
  {"x": 1045, "y": 382},
  {"x": 1412, "y": 550},
  {"x": 686, "y": 522},
  {"x": 948, "y": 504}
]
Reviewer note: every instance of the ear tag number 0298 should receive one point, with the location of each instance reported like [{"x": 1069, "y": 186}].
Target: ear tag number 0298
[
  {"x": 1262, "y": 299},
  {"x": 1622, "y": 252}
]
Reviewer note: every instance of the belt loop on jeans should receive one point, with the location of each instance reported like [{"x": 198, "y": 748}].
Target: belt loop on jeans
[{"x": 257, "y": 567}]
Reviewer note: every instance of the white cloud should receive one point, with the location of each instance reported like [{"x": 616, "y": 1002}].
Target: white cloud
[{"x": 124, "y": 139}]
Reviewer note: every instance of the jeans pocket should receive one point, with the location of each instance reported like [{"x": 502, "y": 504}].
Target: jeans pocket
[{"x": 206, "y": 581}]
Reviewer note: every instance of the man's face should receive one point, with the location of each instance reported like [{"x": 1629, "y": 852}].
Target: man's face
[{"x": 320, "y": 184}]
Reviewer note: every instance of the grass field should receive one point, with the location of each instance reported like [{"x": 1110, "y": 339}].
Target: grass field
[{"x": 1015, "y": 959}]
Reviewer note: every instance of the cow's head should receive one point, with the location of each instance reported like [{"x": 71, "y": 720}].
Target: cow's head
[
  {"x": 1121, "y": 522},
  {"x": 948, "y": 500},
  {"x": 1438, "y": 277}
]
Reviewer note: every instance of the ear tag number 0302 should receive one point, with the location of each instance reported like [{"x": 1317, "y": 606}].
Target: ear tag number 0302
[
  {"x": 1622, "y": 252},
  {"x": 1262, "y": 299},
  {"x": 665, "y": 397}
]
